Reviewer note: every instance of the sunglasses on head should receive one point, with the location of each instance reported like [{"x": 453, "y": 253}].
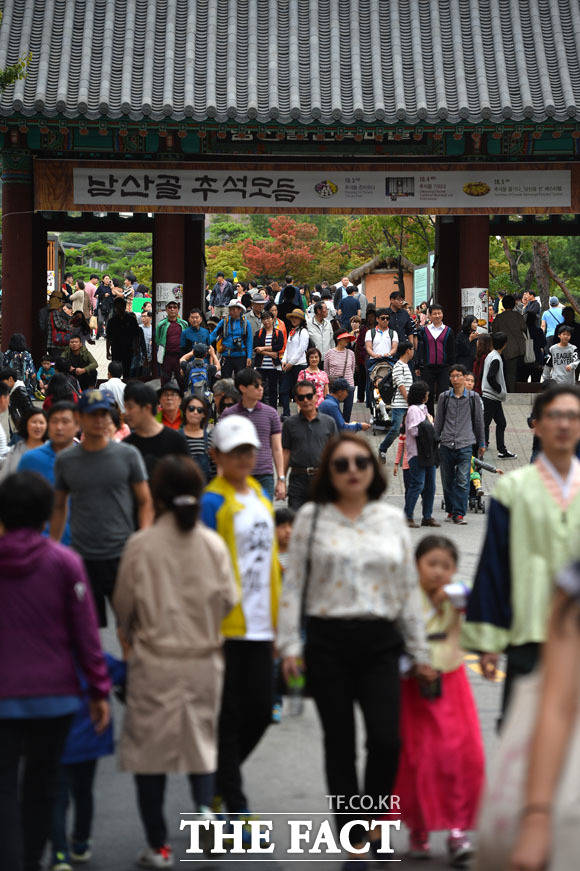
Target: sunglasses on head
[
  {"x": 342, "y": 464},
  {"x": 302, "y": 396}
]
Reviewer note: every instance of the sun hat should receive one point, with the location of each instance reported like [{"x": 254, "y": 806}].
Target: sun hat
[
  {"x": 235, "y": 303},
  {"x": 348, "y": 336},
  {"x": 297, "y": 313}
]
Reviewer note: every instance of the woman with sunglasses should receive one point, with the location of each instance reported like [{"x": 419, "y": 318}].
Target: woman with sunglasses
[
  {"x": 351, "y": 575},
  {"x": 195, "y": 412}
]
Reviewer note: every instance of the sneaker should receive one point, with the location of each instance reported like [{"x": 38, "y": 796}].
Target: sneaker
[
  {"x": 507, "y": 455},
  {"x": 460, "y": 520},
  {"x": 277, "y": 713},
  {"x": 419, "y": 845},
  {"x": 206, "y": 839},
  {"x": 459, "y": 849},
  {"x": 449, "y": 518},
  {"x": 411, "y": 523},
  {"x": 80, "y": 851},
  {"x": 161, "y": 858},
  {"x": 60, "y": 862},
  {"x": 38, "y": 394},
  {"x": 430, "y": 521},
  {"x": 382, "y": 457}
]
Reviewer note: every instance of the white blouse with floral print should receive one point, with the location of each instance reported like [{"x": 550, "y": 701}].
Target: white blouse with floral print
[{"x": 360, "y": 569}]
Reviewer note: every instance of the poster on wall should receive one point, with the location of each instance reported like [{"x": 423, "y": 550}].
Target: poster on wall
[
  {"x": 475, "y": 301},
  {"x": 50, "y": 277},
  {"x": 420, "y": 285},
  {"x": 164, "y": 293}
]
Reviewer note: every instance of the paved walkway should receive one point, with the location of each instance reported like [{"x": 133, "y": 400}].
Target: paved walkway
[{"x": 286, "y": 773}]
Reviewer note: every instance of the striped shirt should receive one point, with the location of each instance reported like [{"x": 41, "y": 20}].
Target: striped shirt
[
  {"x": 267, "y": 424},
  {"x": 340, "y": 364},
  {"x": 267, "y": 362},
  {"x": 402, "y": 375}
]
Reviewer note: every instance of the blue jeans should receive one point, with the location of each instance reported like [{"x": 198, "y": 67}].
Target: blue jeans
[
  {"x": 397, "y": 415},
  {"x": 455, "y": 467},
  {"x": 287, "y": 382},
  {"x": 421, "y": 480},
  {"x": 267, "y": 484},
  {"x": 74, "y": 781}
]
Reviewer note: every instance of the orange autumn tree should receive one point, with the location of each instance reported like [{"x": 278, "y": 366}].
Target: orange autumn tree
[{"x": 292, "y": 248}]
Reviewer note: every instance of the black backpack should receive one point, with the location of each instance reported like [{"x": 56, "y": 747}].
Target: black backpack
[
  {"x": 471, "y": 403},
  {"x": 386, "y": 387}
]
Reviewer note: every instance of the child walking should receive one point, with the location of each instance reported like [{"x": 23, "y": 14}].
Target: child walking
[
  {"x": 284, "y": 519},
  {"x": 441, "y": 770},
  {"x": 78, "y": 766}
]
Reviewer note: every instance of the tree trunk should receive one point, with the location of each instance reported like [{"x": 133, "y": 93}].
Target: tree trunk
[
  {"x": 541, "y": 269},
  {"x": 514, "y": 273}
]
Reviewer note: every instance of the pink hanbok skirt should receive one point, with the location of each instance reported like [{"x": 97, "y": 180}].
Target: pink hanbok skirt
[{"x": 442, "y": 766}]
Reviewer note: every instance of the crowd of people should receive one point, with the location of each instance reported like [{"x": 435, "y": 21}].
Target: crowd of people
[{"x": 153, "y": 504}]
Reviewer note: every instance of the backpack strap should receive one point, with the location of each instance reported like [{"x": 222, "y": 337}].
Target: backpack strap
[{"x": 373, "y": 333}]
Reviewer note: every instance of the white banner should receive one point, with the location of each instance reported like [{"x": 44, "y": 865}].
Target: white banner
[{"x": 198, "y": 188}]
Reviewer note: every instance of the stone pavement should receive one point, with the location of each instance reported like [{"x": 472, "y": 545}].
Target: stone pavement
[{"x": 286, "y": 773}]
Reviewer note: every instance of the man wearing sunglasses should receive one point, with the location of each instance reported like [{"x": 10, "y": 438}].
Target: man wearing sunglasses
[
  {"x": 304, "y": 436},
  {"x": 339, "y": 390}
]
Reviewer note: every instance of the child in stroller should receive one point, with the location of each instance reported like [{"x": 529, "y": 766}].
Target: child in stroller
[
  {"x": 381, "y": 395},
  {"x": 476, "y": 492}
]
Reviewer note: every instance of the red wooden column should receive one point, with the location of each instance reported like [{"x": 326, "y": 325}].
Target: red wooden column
[
  {"x": 194, "y": 261},
  {"x": 447, "y": 287},
  {"x": 23, "y": 277},
  {"x": 473, "y": 251},
  {"x": 168, "y": 254}
]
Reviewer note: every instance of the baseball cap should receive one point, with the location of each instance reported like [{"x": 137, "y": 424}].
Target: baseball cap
[
  {"x": 233, "y": 303},
  {"x": 232, "y": 432},
  {"x": 94, "y": 400},
  {"x": 554, "y": 300},
  {"x": 171, "y": 303}
]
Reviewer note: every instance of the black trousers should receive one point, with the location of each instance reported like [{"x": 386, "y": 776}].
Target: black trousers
[
  {"x": 298, "y": 490},
  {"x": 437, "y": 377},
  {"x": 350, "y": 661},
  {"x": 270, "y": 380},
  {"x": 231, "y": 365},
  {"x": 102, "y": 575},
  {"x": 360, "y": 380},
  {"x": 245, "y": 714},
  {"x": 74, "y": 780},
  {"x": 25, "y": 820},
  {"x": 493, "y": 410},
  {"x": 150, "y": 796}
]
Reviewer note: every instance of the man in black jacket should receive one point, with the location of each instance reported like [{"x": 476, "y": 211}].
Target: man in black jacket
[{"x": 20, "y": 401}]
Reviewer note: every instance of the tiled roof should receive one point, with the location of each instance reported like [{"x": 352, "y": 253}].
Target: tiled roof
[{"x": 310, "y": 61}]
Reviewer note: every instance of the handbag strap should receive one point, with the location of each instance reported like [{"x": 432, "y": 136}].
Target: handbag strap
[
  {"x": 308, "y": 564},
  {"x": 345, "y": 362}
]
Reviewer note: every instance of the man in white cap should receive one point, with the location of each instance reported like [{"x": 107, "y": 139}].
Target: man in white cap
[
  {"x": 235, "y": 506},
  {"x": 235, "y": 334}
]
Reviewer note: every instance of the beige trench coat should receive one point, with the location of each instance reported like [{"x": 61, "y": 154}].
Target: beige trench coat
[{"x": 172, "y": 592}]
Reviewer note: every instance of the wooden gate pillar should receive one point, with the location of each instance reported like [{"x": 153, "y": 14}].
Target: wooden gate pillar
[
  {"x": 447, "y": 289},
  {"x": 23, "y": 253}
]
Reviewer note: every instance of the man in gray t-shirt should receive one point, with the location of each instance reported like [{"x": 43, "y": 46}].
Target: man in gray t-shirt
[{"x": 107, "y": 485}]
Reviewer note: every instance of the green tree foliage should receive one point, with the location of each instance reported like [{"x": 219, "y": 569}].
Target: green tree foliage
[{"x": 119, "y": 252}]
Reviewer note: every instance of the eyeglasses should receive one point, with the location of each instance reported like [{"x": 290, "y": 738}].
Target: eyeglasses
[
  {"x": 195, "y": 409},
  {"x": 559, "y": 416},
  {"x": 343, "y": 464},
  {"x": 302, "y": 396}
]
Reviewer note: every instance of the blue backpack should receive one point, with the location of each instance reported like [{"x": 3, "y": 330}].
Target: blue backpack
[{"x": 198, "y": 379}]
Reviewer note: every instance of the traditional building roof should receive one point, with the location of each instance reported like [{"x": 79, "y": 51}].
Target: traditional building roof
[
  {"x": 306, "y": 61},
  {"x": 379, "y": 262}
]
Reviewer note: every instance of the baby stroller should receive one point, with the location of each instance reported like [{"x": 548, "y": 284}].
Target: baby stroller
[
  {"x": 476, "y": 501},
  {"x": 382, "y": 393}
]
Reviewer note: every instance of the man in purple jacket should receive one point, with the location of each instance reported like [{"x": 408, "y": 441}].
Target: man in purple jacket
[{"x": 48, "y": 624}]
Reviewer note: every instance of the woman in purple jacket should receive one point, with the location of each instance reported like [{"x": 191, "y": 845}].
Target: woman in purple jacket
[{"x": 47, "y": 624}]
